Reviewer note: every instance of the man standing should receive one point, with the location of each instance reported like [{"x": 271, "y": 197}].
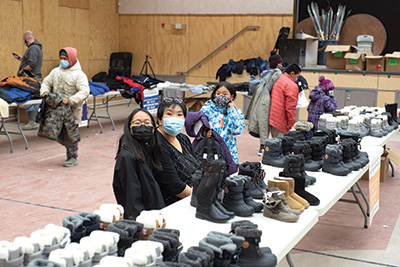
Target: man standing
[
  {"x": 31, "y": 66},
  {"x": 284, "y": 97}
]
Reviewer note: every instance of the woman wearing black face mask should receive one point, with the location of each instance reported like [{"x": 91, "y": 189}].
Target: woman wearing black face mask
[{"x": 138, "y": 158}]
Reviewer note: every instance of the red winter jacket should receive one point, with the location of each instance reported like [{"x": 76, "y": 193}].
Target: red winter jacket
[{"x": 284, "y": 95}]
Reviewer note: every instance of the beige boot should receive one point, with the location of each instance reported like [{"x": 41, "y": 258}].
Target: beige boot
[
  {"x": 277, "y": 194},
  {"x": 292, "y": 193},
  {"x": 284, "y": 186},
  {"x": 274, "y": 209}
]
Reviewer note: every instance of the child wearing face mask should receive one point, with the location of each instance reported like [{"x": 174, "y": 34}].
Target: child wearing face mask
[
  {"x": 71, "y": 83},
  {"x": 137, "y": 161},
  {"x": 224, "y": 117},
  {"x": 177, "y": 156}
]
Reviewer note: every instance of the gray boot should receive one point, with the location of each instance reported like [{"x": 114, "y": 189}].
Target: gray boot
[{"x": 31, "y": 125}]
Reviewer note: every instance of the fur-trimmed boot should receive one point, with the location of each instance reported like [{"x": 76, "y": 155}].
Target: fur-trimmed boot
[
  {"x": 273, "y": 152},
  {"x": 11, "y": 254},
  {"x": 252, "y": 255},
  {"x": 237, "y": 240},
  {"x": 222, "y": 247},
  {"x": 284, "y": 186},
  {"x": 197, "y": 256},
  {"x": 206, "y": 192},
  {"x": 32, "y": 248},
  {"x": 274, "y": 209},
  {"x": 233, "y": 198},
  {"x": 129, "y": 232},
  {"x": 170, "y": 239},
  {"x": 85, "y": 254},
  {"x": 277, "y": 194}
]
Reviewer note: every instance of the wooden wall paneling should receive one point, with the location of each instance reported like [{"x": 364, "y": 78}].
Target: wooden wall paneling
[
  {"x": 104, "y": 31},
  {"x": 10, "y": 37},
  {"x": 133, "y": 38},
  {"x": 75, "y": 3},
  {"x": 388, "y": 82},
  {"x": 352, "y": 80},
  {"x": 41, "y": 17},
  {"x": 385, "y": 97},
  {"x": 256, "y": 43},
  {"x": 168, "y": 47},
  {"x": 312, "y": 78},
  {"x": 207, "y": 33},
  {"x": 82, "y": 39}
]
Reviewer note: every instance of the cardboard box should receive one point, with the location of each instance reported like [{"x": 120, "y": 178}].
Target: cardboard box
[
  {"x": 195, "y": 104},
  {"x": 311, "y": 48},
  {"x": 384, "y": 168},
  {"x": 393, "y": 156},
  {"x": 375, "y": 63},
  {"x": 335, "y": 56},
  {"x": 392, "y": 62},
  {"x": 355, "y": 61}
]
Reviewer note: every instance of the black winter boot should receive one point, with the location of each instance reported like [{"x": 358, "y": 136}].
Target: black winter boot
[
  {"x": 322, "y": 131},
  {"x": 170, "y": 240},
  {"x": 287, "y": 144},
  {"x": 233, "y": 198},
  {"x": 223, "y": 248},
  {"x": 297, "y": 135},
  {"x": 304, "y": 147},
  {"x": 318, "y": 149},
  {"x": 252, "y": 255},
  {"x": 273, "y": 153},
  {"x": 348, "y": 155},
  {"x": 248, "y": 199},
  {"x": 237, "y": 240},
  {"x": 333, "y": 161},
  {"x": 294, "y": 167},
  {"x": 196, "y": 178},
  {"x": 392, "y": 109},
  {"x": 256, "y": 172},
  {"x": 207, "y": 192},
  {"x": 129, "y": 232},
  {"x": 204, "y": 254}
]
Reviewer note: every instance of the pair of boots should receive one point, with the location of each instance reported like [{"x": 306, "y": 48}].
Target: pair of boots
[
  {"x": 32, "y": 249},
  {"x": 226, "y": 247},
  {"x": 52, "y": 237},
  {"x": 169, "y": 238},
  {"x": 237, "y": 197},
  {"x": 252, "y": 254},
  {"x": 257, "y": 174},
  {"x": 304, "y": 147},
  {"x": 102, "y": 243},
  {"x": 392, "y": 109},
  {"x": 287, "y": 144},
  {"x": 81, "y": 224},
  {"x": 294, "y": 167},
  {"x": 86, "y": 254},
  {"x": 207, "y": 182},
  {"x": 129, "y": 232},
  {"x": 197, "y": 256},
  {"x": 273, "y": 152},
  {"x": 283, "y": 189},
  {"x": 333, "y": 161},
  {"x": 144, "y": 253}
]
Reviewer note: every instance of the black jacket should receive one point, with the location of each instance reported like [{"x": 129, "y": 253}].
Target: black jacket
[{"x": 134, "y": 186}]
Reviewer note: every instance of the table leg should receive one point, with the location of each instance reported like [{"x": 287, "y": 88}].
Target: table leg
[
  {"x": 3, "y": 126},
  {"x": 391, "y": 165},
  {"x": 108, "y": 114},
  {"x": 289, "y": 260},
  {"x": 95, "y": 115},
  {"x": 361, "y": 207},
  {"x": 19, "y": 127},
  {"x": 364, "y": 197}
]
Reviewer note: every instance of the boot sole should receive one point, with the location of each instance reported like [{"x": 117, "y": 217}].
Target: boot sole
[{"x": 281, "y": 220}]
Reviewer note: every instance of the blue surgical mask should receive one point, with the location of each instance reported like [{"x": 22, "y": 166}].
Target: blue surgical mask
[
  {"x": 64, "y": 64},
  {"x": 173, "y": 126}
]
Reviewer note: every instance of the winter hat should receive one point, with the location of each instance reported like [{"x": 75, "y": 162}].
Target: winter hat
[
  {"x": 274, "y": 59},
  {"x": 325, "y": 84}
]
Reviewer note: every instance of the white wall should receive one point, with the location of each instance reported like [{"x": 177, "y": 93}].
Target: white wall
[{"x": 206, "y": 7}]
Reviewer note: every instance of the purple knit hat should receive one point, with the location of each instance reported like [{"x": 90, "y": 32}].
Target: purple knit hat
[{"x": 325, "y": 84}]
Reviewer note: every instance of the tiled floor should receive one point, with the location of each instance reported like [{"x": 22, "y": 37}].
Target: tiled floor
[{"x": 37, "y": 190}]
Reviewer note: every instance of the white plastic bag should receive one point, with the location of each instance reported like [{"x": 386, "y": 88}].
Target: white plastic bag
[{"x": 302, "y": 101}]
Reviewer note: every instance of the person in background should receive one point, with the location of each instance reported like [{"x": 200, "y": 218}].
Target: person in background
[
  {"x": 284, "y": 95},
  {"x": 224, "y": 117},
  {"x": 177, "y": 156},
  {"x": 275, "y": 60},
  {"x": 69, "y": 81},
  {"x": 321, "y": 100},
  {"x": 31, "y": 66},
  {"x": 137, "y": 161}
]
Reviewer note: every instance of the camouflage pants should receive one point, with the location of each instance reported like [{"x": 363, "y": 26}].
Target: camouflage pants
[{"x": 71, "y": 146}]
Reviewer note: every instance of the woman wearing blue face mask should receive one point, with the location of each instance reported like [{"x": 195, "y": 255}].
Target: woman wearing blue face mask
[
  {"x": 224, "y": 117},
  {"x": 177, "y": 155},
  {"x": 137, "y": 160},
  {"x": 71, "y": 83}
]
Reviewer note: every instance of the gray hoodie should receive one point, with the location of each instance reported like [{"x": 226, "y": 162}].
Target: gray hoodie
[{"x": 33, "y": 57}]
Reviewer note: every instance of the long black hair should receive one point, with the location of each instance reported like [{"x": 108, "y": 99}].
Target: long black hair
[{"x": 127, "y": 142}]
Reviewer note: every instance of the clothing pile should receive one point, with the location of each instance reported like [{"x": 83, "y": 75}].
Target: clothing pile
[{"x": 19, "y": 89}]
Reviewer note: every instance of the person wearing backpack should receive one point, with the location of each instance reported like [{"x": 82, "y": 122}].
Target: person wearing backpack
[{"x": 224, "y": 117}]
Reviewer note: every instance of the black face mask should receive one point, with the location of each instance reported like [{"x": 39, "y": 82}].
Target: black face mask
[{"x": 142, "y": 133}]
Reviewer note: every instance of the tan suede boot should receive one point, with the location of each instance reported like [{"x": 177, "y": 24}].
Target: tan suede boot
[
  {"x": 284, "y": 186},
  {"x": 292, "y": 193}
]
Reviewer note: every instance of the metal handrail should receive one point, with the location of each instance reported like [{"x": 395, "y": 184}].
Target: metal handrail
[{"x": 254, "y": 27}]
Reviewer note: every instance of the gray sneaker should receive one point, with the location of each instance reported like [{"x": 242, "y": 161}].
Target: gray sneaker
[
  {"x": 274, "y": 209},
  {"x": 71, "y": 162},
  {"x": 30, "y": 126}
]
